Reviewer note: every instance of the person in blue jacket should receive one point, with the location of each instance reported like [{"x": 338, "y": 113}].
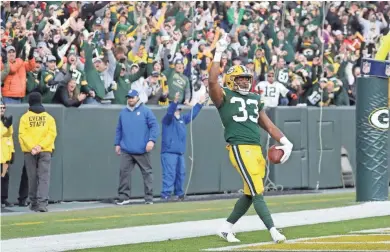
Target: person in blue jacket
[
  {"x": 136, "y": 133},
  {"x": 174, "y": 146}
]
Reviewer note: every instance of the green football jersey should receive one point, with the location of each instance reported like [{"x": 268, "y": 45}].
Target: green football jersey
[
  {"x": 310, "y": 51},
  {"x": 314, "y": 96},
  {"x": 282, "y": 76},
  {"x": 239, "y": 115}
]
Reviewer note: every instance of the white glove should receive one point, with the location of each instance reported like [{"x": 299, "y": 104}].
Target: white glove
[
  {"x": 114, "y": 86},
  {"x": 222, "y": 44},
  {"x": 287, "y": 147}
]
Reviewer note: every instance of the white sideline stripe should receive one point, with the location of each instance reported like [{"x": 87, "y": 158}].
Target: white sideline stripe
[
  {"x": 337, "y": 242},
  {"x": 311, "y": 250},
  {"x": 293, "y": 241},
  {"x": 368, "y": 231},
  {"x": 180, "y": 230}
]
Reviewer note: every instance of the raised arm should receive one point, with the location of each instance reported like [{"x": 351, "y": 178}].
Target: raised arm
[
  {"x": 167, "y": 119},
  {"x": 215, "y": 91},
  {"x": 190, "y": 116}
]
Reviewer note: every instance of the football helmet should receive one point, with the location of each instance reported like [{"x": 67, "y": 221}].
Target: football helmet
[{"x": 233, "y": 73}]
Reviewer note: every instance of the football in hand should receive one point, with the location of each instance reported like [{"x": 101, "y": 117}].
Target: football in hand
[{"x": 274, "y": 155}]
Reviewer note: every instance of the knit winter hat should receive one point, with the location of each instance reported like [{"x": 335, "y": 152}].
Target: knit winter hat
[{"x": 34, "y": 98}]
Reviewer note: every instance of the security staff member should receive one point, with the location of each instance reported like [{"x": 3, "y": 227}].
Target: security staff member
[
  {"x": 7, "y": 158},
  {"x": 174, "y": 146},
  {"x": 7, "y": 153},
  {"x": 37, "y": 134}
]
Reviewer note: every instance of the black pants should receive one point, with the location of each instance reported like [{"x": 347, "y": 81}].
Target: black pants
[
  {"x": 23, "y": 186},
  {"x": 4, "y": 185},
  {"x": 38, "y": 171},
  {"x": 128, "y": 162}
]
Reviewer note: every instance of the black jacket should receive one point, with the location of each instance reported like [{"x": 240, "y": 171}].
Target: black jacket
[{"x": 62, "y": 97}]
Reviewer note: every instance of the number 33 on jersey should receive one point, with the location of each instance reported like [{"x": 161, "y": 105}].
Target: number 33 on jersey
[{"x": 239, "y": 115}]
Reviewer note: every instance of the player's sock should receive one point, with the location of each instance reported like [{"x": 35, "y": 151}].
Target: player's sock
[
  {"x": 262, "y": 211},
  {"x": 241, "y": 207},
  {"x": 227, "y": 226}
]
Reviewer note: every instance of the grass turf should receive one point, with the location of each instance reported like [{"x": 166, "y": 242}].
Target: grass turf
[
  {"x": 51, "y": 223},
  {"x": 197, "y": 244}
]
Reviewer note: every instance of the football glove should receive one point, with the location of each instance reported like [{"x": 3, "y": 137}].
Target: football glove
[
  {"x": 7, "y": 121},
  {"x": 112, "y": 87},
  {"x": 286, "y": 147},
  {"x": 222, "y": 44}
]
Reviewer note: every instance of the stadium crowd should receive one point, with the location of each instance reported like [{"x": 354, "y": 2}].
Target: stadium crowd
[{"x": 73, "y": 53}]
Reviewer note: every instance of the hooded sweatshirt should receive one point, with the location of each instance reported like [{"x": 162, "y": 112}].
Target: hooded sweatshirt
[{"x": 37, "y": 127}]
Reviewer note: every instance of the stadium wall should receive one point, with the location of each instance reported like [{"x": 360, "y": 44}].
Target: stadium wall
[{"x": 85, "y": 167}]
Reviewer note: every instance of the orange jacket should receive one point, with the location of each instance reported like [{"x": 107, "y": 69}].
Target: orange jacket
[{"x": 15, "y": 82}]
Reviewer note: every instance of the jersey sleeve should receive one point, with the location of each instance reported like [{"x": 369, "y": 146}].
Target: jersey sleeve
[{"x": 282, "y": 89}]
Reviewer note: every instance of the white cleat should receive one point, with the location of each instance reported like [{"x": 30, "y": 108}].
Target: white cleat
[
  {"x": 228, "y": 236},
  {"x": 277, "y": 236}
]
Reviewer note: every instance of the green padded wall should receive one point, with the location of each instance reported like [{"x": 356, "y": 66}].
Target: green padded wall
[
  {"x": 85, "y": 166},
  {"x": 372, "y": 126}
]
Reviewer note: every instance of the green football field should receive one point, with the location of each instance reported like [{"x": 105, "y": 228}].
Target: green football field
[
  {"x": 39, "y": 224},
  {"x": 200, "y": 243},
  {"x": 138, "y": 215}
]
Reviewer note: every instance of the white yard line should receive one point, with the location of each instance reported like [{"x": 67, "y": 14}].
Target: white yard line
[
  {"x": 298, "y": 240},
  {"x": 368, "y": 231},
  {"x": 180, "y": 230}
]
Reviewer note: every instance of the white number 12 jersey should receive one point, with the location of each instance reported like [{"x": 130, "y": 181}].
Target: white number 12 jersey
[{"x": 270, "y": 93}]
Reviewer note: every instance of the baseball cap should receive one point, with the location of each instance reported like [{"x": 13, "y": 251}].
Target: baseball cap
[
  {"x": 98, "y": 21},
  {"x": 324, "y": 80},
  {"x": 134, "y": 65},
  {"x": 51, "y": 58},
  {"x": 97, "y": 59},
  {"x": 179, "y": 107},
  {"x": 169, "y": 19},
  {"x": 337, "y": 32},
  {"x": 179, "y": 61},
  {"x": 132, "y": 93},
  {"x": 42, "y": 44},
  {"x": 10, "y": 48},
  {"x": 165, "y": 38},
  {"x": 38, "y": 59},
  {"x": 249, "y": 61},
  {"x": 330, "y": 68},
  {"x": 155, "y": 74}
]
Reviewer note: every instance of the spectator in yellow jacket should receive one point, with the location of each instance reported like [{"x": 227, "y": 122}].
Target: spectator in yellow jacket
[
  {"x": 7, "y": 154},
  {"x": 37, "y": 134}
]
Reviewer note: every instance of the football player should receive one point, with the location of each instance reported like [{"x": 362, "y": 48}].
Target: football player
[{"x": 242, "y": 116}]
